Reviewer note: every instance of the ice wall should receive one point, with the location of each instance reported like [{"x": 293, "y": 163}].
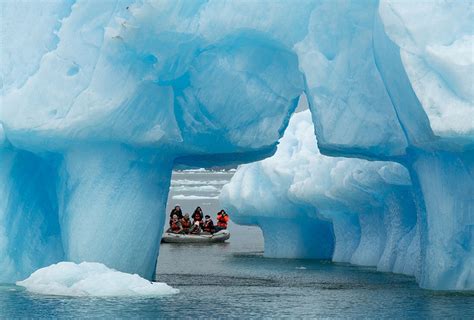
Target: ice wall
[
  {"x": 382, "y": 88},
  {"x": 99, "y": 102},
  {"x": 441, "y": 153},
  {"x": 365, "y": 209},
  {"x": 29, "y": 230}
]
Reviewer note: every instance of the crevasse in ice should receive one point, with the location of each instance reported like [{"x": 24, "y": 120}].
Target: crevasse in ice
[{"x": 100, "y": 99}]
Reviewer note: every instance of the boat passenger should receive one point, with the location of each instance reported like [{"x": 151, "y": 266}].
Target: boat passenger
[
  {"x": 196, "y": 228},
  {"x": 208, "y": 225},
  {"x": 186, "y": 223},
  {"x": 175, "y": 225},
  {"x": 222, "y": 220},
  {"x": 176, "y": 211},
  {"x": 198, "y": 215},
  {"x": 198, "y": 212}
]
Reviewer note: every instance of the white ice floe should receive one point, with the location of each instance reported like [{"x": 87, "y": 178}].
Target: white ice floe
[
  {"x": 197, "y": 182},
  {"x": 91, "y": 279},
  {"x": 193, "y": 197},
  {"x": 195, "y": 188},
  {"x": 191, "y": 172}
]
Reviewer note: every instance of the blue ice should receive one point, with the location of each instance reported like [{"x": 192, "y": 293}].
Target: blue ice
[{"x": 99, "y": 100}]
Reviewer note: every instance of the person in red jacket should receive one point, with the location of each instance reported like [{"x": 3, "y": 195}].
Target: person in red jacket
[
  {"x": 176, "y": 211},
  {"x": 186, "y": 223},
  {"x": 175, "y": 225},
  {"x": 208, "y": 225},
  {"x": 222, "y": 220}
]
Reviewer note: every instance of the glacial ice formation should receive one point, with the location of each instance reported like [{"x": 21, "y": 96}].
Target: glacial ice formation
[
  {"x": 100, "y": 99},
  {"x": 91, "y": 279},
  {"x": 106, "y": 99},
  {"x": 350, "y": 210},
  {"x": 386, "y": 90}
]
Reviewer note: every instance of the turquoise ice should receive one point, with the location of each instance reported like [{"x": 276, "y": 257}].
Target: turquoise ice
[{"x": 99, "y": 100}]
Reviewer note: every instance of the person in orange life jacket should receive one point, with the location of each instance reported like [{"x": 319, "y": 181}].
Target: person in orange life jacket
[
  {"x": 222, "y": 220},
  {"x": 175, "y": 225},
  {"x": 186, "y": 223},
  {"x": 198, "y": 215},
  {"x": 208, "y": 225},
  {"x": 176, "y": 211}
]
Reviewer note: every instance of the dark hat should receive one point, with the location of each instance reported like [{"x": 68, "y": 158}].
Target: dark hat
[{"x": 207, "y": 216}]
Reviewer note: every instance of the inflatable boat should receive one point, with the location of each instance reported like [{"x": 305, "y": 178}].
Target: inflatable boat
[{"x": 220, "y": 236}]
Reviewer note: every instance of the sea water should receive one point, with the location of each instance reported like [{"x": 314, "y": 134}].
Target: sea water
[{"x": 233, "y": 279}]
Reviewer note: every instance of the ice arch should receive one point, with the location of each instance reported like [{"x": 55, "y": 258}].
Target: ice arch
[
  {"x": 98, "y": 93},
  {"x": 387, "y": 90},
  {"x": 94, "y": 118},
  {"x": 314, "y": 206}
]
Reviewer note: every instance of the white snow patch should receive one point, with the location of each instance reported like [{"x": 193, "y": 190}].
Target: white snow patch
[{"x": 91, "y": 279}]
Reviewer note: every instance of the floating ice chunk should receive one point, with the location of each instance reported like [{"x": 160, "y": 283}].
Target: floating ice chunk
[
  {"x": 182, "y": 182},
  {"x": 194, "y": 170},
  {"x": 195, "y": 188},
  {"x": 91, "y": 279},
  {"x": 200, "y": 172},
  {"x": 193, "y": 197}
]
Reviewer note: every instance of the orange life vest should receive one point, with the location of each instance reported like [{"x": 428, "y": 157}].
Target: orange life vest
[
  {"x": 174, "y": 226},
  {"x": 222, "y": 220},
  {"x": 186, "y": 223}
]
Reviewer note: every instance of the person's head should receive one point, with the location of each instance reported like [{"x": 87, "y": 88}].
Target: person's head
[
  {"x": 208, "y": 217},
  {"x": 186, "y": 216},
  {"x": 177, "y": 208},
  {"x": 175, "y": 217}
]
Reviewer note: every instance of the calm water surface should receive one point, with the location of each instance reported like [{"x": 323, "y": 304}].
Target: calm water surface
[{"x": 234, "y": 280}]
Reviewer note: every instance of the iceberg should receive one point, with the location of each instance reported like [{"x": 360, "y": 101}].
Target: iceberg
[
  {"x": 314, "y": 206},
  {"x": 386, "y": 91},
  {"x": 103, "y": 107},
  {"x": 379, "y": 93},
  {"x": 91, "y": 279},
  {"x": 100, "y": 100}
]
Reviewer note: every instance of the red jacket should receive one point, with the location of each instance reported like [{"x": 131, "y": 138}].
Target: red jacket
[
  {"x": 186, "y": 224},
  {"x": 222, "y": 220}
]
